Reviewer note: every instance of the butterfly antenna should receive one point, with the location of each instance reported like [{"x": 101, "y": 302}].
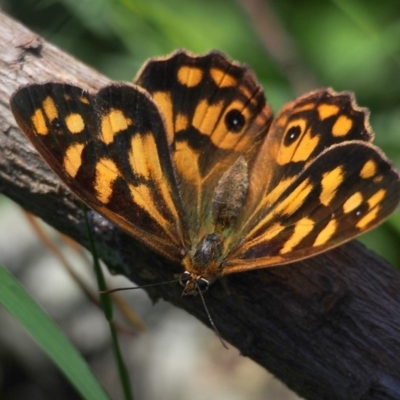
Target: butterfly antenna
[
  {"x": 137, "y": 287},
  {"x": 166, "y": 283},
  {"x": 210, "y": 319}
]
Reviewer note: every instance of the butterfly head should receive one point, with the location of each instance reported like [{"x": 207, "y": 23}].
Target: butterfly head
[
  {"x": 202, "y": 265},
  {"x": 193, "y": 284}
]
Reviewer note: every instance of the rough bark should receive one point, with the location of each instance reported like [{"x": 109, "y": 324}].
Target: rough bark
[{"x": 329, "y": 327}]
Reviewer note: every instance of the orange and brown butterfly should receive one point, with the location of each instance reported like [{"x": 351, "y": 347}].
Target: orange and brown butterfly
[{"x": 189, "y": 161}]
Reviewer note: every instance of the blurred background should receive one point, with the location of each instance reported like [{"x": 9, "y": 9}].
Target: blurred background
[{"x": 293, "y": 47}]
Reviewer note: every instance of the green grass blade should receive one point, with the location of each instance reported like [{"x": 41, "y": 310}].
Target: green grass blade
[
  {"x": 107, "y": 306},
  {"x": 27, "y": 312}
]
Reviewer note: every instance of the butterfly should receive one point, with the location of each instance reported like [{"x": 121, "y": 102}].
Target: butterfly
[{"x": 190, "y": 161}]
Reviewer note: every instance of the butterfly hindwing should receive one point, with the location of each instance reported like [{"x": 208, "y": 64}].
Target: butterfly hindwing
[{"x": 111, "y": 149}]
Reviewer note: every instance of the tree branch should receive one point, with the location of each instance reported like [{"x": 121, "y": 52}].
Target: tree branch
[{"x": 328, "y": 327}]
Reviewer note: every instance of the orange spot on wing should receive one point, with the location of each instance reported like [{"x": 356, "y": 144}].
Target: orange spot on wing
[
  {"x": 303, "y": 107},
  {"x": 181, "y": 122},
  {"x": 302, "y": 228},
  {"x": 373, "y": 203},
  {"x": 327, "y": 110},
  {"x": 206, "y": 116},
  {"x": 369, "y": 169},
  {"x": 342, "y": 126},
  {"x": 112, "y": 123},
  {"x": 189, "y": 76},
  {"x": 330, "y": 182},
  {"x": 221, "y": 78},
  {"x": 326, "y": 233},
  {"x": 73, "y": 159},
  {"x": 39, "y": 122},
  {"x": 164, "y": 103},
  {"x": 376, "y": 198},
  {"x": 106, "y": 174},
  {"x": 352, "y": 202},
  {"x": 75, "y": 123},
  {"x": 50, "y": 108},
  {"x": 295, "y": 199}
]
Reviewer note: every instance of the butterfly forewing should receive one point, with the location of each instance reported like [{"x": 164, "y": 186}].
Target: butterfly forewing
[
  {"x": 301, "y": 131},
  {"x": 215, "y": 111},
  {"x": 111, "y": 149}
]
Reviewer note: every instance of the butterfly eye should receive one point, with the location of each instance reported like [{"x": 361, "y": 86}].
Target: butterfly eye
[
  {"x": 184, "y": 278},
  {"x": 234, "y": 121},
  {"x": 292, "y": 134},
  {"x": 202, "y": 285}
]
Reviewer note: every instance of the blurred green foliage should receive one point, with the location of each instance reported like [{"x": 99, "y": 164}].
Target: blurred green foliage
[{"x": 347, "y": 45}]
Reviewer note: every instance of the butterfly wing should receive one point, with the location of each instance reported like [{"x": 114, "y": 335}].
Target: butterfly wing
[
  {"x": 214, "y": 111},
  {"x": 317, "y": 182},
  {"x": 111, "y": 150}
]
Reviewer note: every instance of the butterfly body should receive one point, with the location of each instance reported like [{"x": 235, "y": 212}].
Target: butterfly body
[{"x": 190, "y": 161}]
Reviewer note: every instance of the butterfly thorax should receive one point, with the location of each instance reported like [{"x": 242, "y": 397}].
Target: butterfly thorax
[{"x": 203, "y": 263}]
